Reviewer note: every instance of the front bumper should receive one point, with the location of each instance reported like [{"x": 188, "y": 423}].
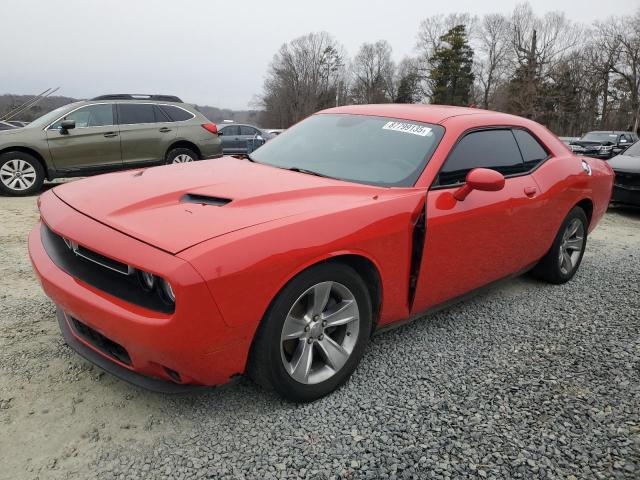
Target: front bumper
[
  {"x": 192, "y": 345},
  {"x": 626, "y": 195}
]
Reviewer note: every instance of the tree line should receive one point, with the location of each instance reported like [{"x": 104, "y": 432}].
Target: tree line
[{"x": 566, "y": 75}]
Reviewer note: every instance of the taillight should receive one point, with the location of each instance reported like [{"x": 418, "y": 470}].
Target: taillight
[{"x": 211, "y": 127}]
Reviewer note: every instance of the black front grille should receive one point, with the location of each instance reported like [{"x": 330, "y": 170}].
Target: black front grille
[
  {"x": 629, "y": 180},
  {"x": 100, "y": 272},
  {"x": 100, "y": 342}
]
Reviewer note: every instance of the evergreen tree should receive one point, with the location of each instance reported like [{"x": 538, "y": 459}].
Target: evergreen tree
[
  {"x": 451, "y": 76},
  {"x": 408, "y": 89}
]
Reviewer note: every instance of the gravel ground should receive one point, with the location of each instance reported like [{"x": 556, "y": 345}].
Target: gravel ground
[{"x": 525, "y": 381}]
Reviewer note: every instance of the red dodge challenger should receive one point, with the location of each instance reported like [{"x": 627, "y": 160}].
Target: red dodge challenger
[{"x": 281, "y": 266}]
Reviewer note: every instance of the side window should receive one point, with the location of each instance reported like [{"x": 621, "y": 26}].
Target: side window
[
  {"x": 90, "y": 116},
  {"x": 245, "y": 130},
  {"x": 532, "y": 152},
  {"x": 176, "y": 114},
  {"x": 231, "y": 130},
  {"x": 133, "y": 113},
  {"x": 495, "y": 149}
]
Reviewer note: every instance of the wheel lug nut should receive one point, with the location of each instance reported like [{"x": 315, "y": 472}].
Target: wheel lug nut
[
  {"x": 306, "y": 329},
  {"x": 310, "y": 340},
  {"x": 324, "y": 324},
  {"x": 320, "y": 337},
  {"x": 316, "y": 317}
]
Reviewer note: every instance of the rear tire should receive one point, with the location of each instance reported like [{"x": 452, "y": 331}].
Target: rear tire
[
  {"x": 181, "y": 155},
  {"x": 321, "y": 317},
  {"x": 561, "y": 262},
  {"x": 20, "y": 174}
]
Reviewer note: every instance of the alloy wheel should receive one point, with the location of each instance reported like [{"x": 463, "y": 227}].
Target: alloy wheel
[
  {"x": 18, "y": 175},
  {"x": 571, "y": 246},
  {"x": 320, "y": 332},
  {"x": 183, "y": 158}
]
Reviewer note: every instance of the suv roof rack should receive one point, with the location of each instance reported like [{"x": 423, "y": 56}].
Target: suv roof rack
[{"x": 134, "y": 96}]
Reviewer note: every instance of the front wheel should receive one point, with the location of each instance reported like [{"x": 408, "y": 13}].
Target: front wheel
[
  {"x": 20, "y": 174},
  {"x": 561, "y": 263},
  {"x": 314, "y": 334}
]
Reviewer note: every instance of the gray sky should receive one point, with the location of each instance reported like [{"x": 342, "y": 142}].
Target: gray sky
[{"x": 207, "y": 51}]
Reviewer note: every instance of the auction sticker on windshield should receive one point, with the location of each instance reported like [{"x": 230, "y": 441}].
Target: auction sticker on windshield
[{"x": 407, "y": 128}]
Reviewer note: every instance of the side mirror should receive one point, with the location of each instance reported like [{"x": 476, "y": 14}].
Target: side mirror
[
  {"x": 482, "y": 179},
  {"x": 220, "y": 132},
  {"x": 66, "y": 125}
]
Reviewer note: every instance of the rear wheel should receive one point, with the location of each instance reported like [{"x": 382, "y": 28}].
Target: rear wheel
[
  {"x": 20, "y": 174},
  {"x": 561, "y": 263},
  {"x": 181, "y": 155},
  {"x": 314, "y": 334}
]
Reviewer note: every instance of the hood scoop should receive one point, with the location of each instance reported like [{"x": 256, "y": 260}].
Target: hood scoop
[{"x": 204, "y": 200}]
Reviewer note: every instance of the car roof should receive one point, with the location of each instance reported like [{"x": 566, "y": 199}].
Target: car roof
[
  {"x": 416, "y": 112},
  {"x": 616, "y": 132}
]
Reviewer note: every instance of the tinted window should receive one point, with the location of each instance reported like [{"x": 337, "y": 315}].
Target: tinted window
[
  {"x": 231, "y": 130},
  {"x": 358, "y": 148},
  {"x": 495, "y": 149},
  {"x": 176, "y": 114},
  {"x": 132, "y": 113},
  {"x": 90, "y": 116},
  {"x": 244, "y": 130},
  {"x": 532, "y": 152}
]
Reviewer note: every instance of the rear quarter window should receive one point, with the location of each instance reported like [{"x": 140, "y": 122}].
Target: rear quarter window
[
  {"x": 176, "y": 114},
  {"x": 532, "y": 151}
]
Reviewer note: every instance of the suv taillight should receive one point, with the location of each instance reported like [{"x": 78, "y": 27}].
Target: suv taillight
[{"x": 211, "y": 127}]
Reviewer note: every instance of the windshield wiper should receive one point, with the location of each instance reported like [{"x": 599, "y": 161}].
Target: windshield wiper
[{"x": 308, "y": 172}]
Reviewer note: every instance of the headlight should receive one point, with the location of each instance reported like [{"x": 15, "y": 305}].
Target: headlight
[
  {"x": 168, "y": 291},
  {"x": 147, "y": 280},
  {"x": 606, "y": 148}
]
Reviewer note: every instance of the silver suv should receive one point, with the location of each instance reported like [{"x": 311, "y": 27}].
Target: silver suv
[{"x": 106, "y": 133}]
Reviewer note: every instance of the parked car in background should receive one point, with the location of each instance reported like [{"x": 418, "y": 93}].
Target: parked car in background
[
  {"x": 234, "y": 137},
  {"x": 605, "y": 144},
  {"x": 106, "y": 133},
  {"x": 6, "y": 126},
  {"x": 275, "y": 131},
  {"x": 626, "y": 186},
  {"x": 568, "y": 140},
  {"x": 282, "y": 267},
  {"x": 17, "y": 123}
]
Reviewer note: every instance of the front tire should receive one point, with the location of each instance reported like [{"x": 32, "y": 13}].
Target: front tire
[
  {"x": 561, "y": 262},
  {"x": 181, "y": 155},
  {"x": 20, "y": 174},
  {"x": 314, "y": 333}
]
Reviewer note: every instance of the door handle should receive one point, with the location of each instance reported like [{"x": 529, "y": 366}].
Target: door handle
[
  {"x": 110, "y": 134},
  {"x": 530, "y": 191},
  {"x": 165, "y": 129}
]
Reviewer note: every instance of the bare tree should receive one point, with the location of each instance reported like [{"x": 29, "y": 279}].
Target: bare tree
[
  {"x": 373, "y": 74},
  {"x": 625, "y": 35},
  {"x": 304, "y": 77},
  {"x": 493, "y": 49}
]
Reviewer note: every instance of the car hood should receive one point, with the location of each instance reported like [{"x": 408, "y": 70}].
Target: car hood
[
  {"x": 588, "y": 144},
  {"x": 625, "y": 163},
  {"x": 174, "y": 207}
]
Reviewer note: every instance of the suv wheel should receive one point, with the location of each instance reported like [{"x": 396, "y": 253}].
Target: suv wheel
[
  {"x": 181, "y": 155},
  {"x": 20, "y": 174}
]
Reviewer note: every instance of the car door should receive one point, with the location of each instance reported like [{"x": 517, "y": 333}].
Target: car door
[
  {"x": 486, "y": 236},
  {"x": 230, "y": 138},
  {"x": 93, "y": 143},
  {"x": 145, "y": 133},
  {"x": 247, "y": 133}
]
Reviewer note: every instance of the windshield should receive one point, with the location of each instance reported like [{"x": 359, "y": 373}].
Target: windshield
[
  {"x": 47, "y": 118},
  {"x": 358, "y": 148},
  {"x": 600, "y": 137},
  {"x": 633, "y": 150}
]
